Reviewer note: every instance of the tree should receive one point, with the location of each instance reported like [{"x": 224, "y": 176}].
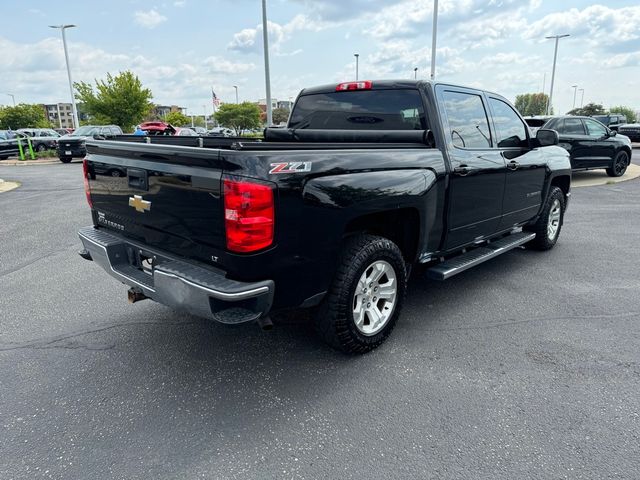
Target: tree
[
  {"x": 588, "y": 110},
  {"x": 243, "y": 116},
  {"x": 120, "y": 100},
  {"x": 23, "y": 115},
  {"x": 626, "y": 111},
  {"x": 280, "y": 115},
  {"x": 177, "y": 119},
  {"x": 532, "y": 104}
]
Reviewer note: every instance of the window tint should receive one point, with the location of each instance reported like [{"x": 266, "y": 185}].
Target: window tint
[
  {"x": 399, "y": 109},
  {"x": 511, "y": 132},
  {"x": 595, "y": 129},
  {"x": 572, "y": 126},
  {"x": 468, "y": 124}
]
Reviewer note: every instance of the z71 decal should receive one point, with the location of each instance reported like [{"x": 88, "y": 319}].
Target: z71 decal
[{"x": 290, "y": 167}]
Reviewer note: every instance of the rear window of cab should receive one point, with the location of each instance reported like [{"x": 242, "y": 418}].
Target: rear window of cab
[{"x": 397, "y": 109}]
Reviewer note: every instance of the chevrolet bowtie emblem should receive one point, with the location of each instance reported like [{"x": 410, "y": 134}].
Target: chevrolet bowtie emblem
[{"x": 139, "y": 203}]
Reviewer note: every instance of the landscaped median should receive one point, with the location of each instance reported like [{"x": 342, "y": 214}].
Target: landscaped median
[
  {"x": 37, "y": 161},
  {"x": 5, "y": 186}
]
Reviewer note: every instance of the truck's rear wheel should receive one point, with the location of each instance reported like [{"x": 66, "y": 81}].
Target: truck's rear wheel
[
  {"x": 66, "y": 159},
  {"x": 547, "y": 227},
  {"x": 366, "y": 296}
]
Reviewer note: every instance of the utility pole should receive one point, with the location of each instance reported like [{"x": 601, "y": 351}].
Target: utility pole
[
  {"x": 204, "y": 107},
  {"x": 236, "y": 87},
  {"x": 433, "y": 39},
  {"x": 13, "y": 97},
  {"x": 62, "y": 28},
  {"x": 575, "y": 90},
  {"x": 267, "y": 80},
  {"x": 357, "y": 55},
  {"x": 582, "y": 97},
  {"x": 553, "y": 71},
  {"x": 415, "y": 73}
]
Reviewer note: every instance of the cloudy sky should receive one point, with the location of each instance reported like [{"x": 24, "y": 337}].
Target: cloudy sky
[{"x": 182, "y": 48}]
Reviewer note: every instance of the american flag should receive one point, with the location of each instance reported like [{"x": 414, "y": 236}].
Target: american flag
[{"x": 214, "y": 97}]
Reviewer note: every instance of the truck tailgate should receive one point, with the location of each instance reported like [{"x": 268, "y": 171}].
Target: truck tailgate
[{"x": 165, "y": 197}]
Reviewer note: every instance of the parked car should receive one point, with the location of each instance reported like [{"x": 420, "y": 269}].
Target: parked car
[
  {"x": 221, "y": 132},
  {"x": 41, "y": 138},
  {"x": 8, "y": 144},
  {"x": 185, "y": 132},
  {"x": 368, "y": 180},
  {"x": 198, "y": 130},
  {"x": 591, "y": 145},
  {"x": 612, "y": 120},
  {"x": 536, "y": 122},
  {"x": 158, "y": 128},
  {"x": 631, "y": 130},
  {"x": 73, "y": 145}
]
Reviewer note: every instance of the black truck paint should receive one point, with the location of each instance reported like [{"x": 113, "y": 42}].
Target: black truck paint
[{"x": 420, "y": 189}]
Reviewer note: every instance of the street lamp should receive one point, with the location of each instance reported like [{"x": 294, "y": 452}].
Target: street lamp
[
  {"x": 553, "y": 71},
  {"x": 267, "y": 81},
  {"x": 66, "y": 57},
  {"x": 204, "y": 107},
  {"x": 581, "y": 97},
  {"x": 236, "y": 87},
  {"x": 433, "y": 39},
  {"x": 575, "y": 90},
  {"x": 357, "y": 55},
  {"x": 415, "y": 73},
  {"x": 13, "y": 97}
]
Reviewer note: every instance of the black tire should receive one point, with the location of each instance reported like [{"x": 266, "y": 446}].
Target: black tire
[
  {"x": 115, "y": 173},
  {"x": 4, "y": 157},
  {"x": 66, "y": 159},
  {"x": 334, "y": 319},
  {"x": 41, "y": 147},
  {"x": 620, "y": 164},
  {"x": 543, "y": 240}
]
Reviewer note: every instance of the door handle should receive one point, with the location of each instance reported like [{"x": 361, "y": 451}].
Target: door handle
[
  {"x": 513, "y": 165},
  {"x": 462, "y": 170}
]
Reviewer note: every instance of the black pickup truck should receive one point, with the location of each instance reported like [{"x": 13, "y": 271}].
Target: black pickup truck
[{"x": 367, "y": 180}]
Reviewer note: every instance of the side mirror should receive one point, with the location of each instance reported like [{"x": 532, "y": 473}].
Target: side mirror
[
  {"x": 547, "y": 137},
  {"x": 612, "y": 133}
]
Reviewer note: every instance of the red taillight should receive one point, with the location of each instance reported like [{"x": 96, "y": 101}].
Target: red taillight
[
  {"x": 85, "y": 175},
  {"x": 248, "y": 215},
  {"x": 364, "y": 85}
]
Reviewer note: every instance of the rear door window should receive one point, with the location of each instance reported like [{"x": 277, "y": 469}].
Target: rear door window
[
  {"x": 572, "y": 126},
  {"x": 468, "y": 124},
  {"x": 398, "y": 109}
]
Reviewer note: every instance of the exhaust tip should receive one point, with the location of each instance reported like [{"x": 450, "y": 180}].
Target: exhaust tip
[{"x": 265, "y": 323}]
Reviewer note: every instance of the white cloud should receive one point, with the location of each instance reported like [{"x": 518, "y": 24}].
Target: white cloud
[
  {"x": 149, "y": 19},
  {"x": 180, "y": 3}
]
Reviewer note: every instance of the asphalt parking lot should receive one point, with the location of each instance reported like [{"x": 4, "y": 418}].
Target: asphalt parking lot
[{"x": 527, "y": 366}]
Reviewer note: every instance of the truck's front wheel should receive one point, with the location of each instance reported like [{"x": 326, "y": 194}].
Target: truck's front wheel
[
  {"x": 549, "y": 224},
  {"x": 366, "y": 296}
]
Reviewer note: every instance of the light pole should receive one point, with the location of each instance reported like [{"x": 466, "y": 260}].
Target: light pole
[
  {"x": 236, "y": 87},
  {"x": 267, "y": 80},
  {"x": 433, "y": 39},
  {"x": 553, "y": 71},
  {"x": 13, "y": 97},
  {"x": 204, "y": 107},
  {"x": 66, "y": 57},
  {"x": 581, "y": 97},
  {"x": 415, "y": 73},
  {"x": 575, "y": 90},
  {"x": 357, "y": 55}
]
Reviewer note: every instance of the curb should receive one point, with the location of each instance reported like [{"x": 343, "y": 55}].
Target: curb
[
  {"x": 15, "y": 163},
  {"x": 594, "y": 178},
  {"x": 7, "y": 186}
]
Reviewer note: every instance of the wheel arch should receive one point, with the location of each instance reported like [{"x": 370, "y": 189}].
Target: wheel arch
[{"x": 401, "y": 226}]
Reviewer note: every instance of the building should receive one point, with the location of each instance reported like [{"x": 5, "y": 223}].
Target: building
[
  {"x": 60, "y": 115},
  {"x": 286, "y": 104},
  {"x": 161, "y": 111}
]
